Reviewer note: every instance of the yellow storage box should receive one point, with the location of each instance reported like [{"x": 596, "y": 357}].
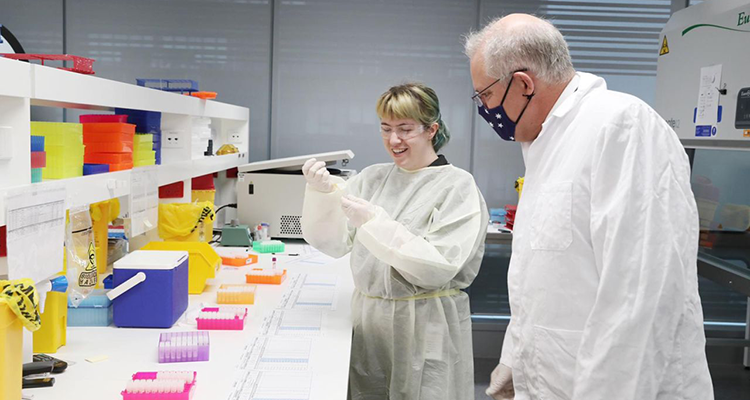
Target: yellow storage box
[
  {"x": 52, "y": 335},
  {"x": 202, "y": 264},
  {"x": 11, "y": 358}
]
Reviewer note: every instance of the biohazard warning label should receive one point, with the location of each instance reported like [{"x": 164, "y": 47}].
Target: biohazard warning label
[
  {"x": 87, "y": 278},
  {"x": 664, "y": 47}
]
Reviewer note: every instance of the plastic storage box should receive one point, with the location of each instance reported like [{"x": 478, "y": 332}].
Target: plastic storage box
[
  {"x": 222, "y": 318},
  {"x": 236, "y": 294},
  {"x": 204, "y": 262},
  {"x": 155, "y": 385},
  {"x": 151, "y": 289},
  {"x": 183, "y": 347},
  {"x": 94, "y": 310},
  {"x": 11, "y": 360},
  {"x": 266, "y": 276}
]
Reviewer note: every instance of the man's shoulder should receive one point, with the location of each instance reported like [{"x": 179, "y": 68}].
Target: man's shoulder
[{"x": 611, "y": 104}]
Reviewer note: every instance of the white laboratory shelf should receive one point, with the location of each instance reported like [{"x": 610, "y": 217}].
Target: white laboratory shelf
[
  {"x": 23, "y": 85},
  {"x": 95, "y": 188}
]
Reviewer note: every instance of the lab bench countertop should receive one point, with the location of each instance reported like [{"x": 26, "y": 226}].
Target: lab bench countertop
[{"x": 133, "y": 350}]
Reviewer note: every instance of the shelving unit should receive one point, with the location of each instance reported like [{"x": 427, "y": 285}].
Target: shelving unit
[{"x": 23, "y": 85}]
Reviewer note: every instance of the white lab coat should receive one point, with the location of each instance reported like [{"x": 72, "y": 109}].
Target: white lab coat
[
  {"x": 602, "y": 281},
  {"x": 411, "y": 323}
]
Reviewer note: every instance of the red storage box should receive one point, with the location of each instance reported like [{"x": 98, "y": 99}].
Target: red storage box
[
  {"x": 95, "y": 118},
  {"x": 38, "y": 159},
  {"x": 205, "y": 182}
]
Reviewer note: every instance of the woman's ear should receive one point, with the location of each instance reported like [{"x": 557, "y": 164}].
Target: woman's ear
[{"x": 433, "y": 129}]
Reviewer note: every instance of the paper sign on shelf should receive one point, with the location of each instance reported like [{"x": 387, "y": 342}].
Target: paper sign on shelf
[
  {"x": 35, "y": 231},
  {"x": 144, "y": 200},
  {"x": 708, "y": 96}
]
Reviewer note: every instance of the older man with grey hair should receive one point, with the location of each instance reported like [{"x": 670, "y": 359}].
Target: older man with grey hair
[{"x": 602, "y": 281}]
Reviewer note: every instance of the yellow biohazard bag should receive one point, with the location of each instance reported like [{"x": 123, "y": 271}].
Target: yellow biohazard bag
[
  {"x": 186, "y": 222},
  {"x": 80, "y": 253}
]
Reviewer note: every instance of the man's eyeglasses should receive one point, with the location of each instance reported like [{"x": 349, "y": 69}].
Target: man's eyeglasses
[{"x": 477, "y": 97}]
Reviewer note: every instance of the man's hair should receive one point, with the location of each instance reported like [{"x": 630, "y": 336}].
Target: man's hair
[{"x": 539, "y": 47}]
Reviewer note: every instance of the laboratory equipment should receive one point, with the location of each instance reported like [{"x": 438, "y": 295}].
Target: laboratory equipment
[
  {"x": 94, "y": 310},
  {"x": 266, "y": 276},
  {"x": 274, "y": 190},
  {"x": 203, "y": 261},
  {"x": 235, "y": 234},
  {"x": 269, "y": 246},
  {"x": 703, "y": 89},
  {"x": 97, "y": 118},
  {"x": 236, "y": 294},
  {"x": 63, "y": 145},
  {"x": 169, "y": 85},
  {"x": 166, "y": 385},
  {"x": 81, "y": 65},
  {"x": 183, "y": 347},
  {"x": 236, "y": 257},
  {"x": 151, "y": 289},
  {"x": 222, "y": 318}
]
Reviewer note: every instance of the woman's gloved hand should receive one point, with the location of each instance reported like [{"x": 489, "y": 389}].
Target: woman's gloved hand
[
  {"x": 359, "y": 211},
  {"x": 317, "y": 175},
  {"x": 501, "y": 383}
]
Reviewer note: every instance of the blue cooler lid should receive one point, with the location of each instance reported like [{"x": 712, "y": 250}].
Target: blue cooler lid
[{"x": 152, "y": 260}]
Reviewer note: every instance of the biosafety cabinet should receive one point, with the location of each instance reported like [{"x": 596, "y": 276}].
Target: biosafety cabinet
[
  {"x": 703, "y": 92},
  {"x": 703, "y": 74}
]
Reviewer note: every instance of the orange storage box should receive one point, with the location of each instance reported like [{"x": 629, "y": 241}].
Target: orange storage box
[
  {"x": 108, "y": 158},
  {"x": 108, "y": 127},
  {"x": 266, "y": 276},
  {"x": 120, "y": 167},
  {"x": 109, "y": 147}
]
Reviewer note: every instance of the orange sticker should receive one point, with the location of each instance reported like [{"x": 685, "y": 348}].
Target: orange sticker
[{"x": 746, "y": 133}]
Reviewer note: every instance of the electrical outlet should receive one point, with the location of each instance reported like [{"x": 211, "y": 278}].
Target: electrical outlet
[
  {"x": 172, "y": 140},
  {"x": 235, "y": 137}
]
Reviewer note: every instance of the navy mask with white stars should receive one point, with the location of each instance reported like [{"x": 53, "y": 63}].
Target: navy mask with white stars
[{"x": 498, "y": 118}]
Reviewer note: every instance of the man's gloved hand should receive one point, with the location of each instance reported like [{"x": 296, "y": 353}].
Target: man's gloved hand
[
  {"x": 359, "y": 211},
  {"x": 317, "y": 175},
  {"x": 501, "y": 383}
]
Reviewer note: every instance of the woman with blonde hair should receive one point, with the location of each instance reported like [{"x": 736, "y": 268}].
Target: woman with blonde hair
[{"x": 415, "y": 229}]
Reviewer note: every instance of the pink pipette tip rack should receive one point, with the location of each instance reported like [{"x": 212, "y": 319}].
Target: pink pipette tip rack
[
  {"x": 183, "y": 347},
  {"x": 164, "y": 385},
  {"x": 222, "y": 318}
]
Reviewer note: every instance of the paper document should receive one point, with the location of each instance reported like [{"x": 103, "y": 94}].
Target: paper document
[
  {"x": 262, "y": 385},
  {"x": 708, "y": 96},
  {"x": 309, "y": 298},
  {"x": 276, "y": 354},
  {"x": 293, "y": 323},
  {"x": 328, "y": 280},
  {"x": 35, "y": 232}
]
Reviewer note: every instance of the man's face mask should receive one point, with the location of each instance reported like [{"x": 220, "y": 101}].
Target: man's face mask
[{"x": 498, "y": 118}]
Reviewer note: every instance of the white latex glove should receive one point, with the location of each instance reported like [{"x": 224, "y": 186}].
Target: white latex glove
[
  {"x": 317, "y": 175},
  {"x": 501, "y": 383},
  {"x": 359, "y": 211}
]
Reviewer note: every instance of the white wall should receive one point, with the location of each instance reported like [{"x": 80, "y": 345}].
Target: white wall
[{"x": 327, "y": 61}]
